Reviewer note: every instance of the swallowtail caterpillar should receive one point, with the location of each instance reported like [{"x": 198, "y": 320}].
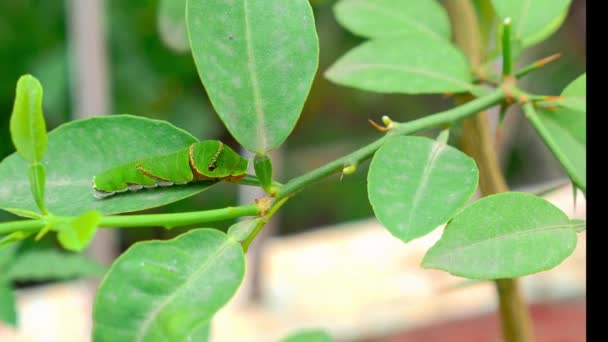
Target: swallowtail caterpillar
[{"x": 204, "y": 160}]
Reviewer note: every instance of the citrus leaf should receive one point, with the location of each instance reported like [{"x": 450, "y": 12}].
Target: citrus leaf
[
  {"x": 257, "y": 61},
  {"x": 533, "y": 20},
  {"x": 416, "y": 184},
  {"x": 407, "y": 64},
  {"x": 28, "y": 129},
  {"x": 8, "y": 309},
  {"x": 50, "y": 264},
  {"x": 506, "y": 235},
  {"x": 168, "y": 290},
  {"x": 76, "y": 235},
  {"x": 382, "y": 18},
  {"x": 172, "y": 24}
]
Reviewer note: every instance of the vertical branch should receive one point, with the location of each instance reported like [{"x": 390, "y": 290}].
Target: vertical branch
[{"x": 477, "y": 142}]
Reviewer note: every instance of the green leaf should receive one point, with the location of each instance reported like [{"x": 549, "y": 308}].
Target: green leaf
[
  {"x": 263, "y": 170},
  {"x": 507, "y": 235},
  {"x": 533, "y": 20},
  {"x": 308, "y": 335},
  {"x": 8, "y": 309},
  {"x": 24, "y": 213},
  {"x": 28, "y": 129},
  {"x": 574, "y": 95},
  {"x": 76, "y": 235},
  {"x": 241, "y": 230},
  {"x": 37, "y": 178},
  {"x": 415, "y": 184},
  {"x": 51, "y": 264},
  {"x": 172, "y": 24},
  {"x": 80, "y": 150},
  {"x": 168, "y": 290},
  {"x": 383, "y": 18},
  {"x": 257, "y": 60},
  {"x": 564, "y": 130},
  {"x": 409, "y": 64}
]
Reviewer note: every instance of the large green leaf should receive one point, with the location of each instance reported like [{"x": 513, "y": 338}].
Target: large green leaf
[
  {"x": 79, "y": 150},
  {"x": 503, "y": 236},
  {"x": 532, "y": 20},
  {"x": 172, "y": 24},
  {"x": 564, "y": 130},
  {"x": 257, "y": 60},
  {"x": 415, "y": 184},
  {"x": 8, "y": 311},
  {"x": 407, "y": 64},
  {"x": 382, "y": 18},
  {"x": 574, "y": 95},
  {"x": 308, "y": 335},
  {"x": 51, "y": 264},
  {"x": 168, "y": 290}
]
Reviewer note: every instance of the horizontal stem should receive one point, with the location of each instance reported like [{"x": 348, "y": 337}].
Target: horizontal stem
[
  {"x": 134, "y": 221},
  {"x": 366, "y": 152}
]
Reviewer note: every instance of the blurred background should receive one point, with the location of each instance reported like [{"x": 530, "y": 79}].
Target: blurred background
[{"x": 133, "y": 66}]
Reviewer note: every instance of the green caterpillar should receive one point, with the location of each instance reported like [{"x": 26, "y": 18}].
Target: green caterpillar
[{"x": 204, "y": 160}]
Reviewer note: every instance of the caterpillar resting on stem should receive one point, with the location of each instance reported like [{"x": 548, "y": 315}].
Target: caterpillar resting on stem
[{"x": 204, "y": 160}]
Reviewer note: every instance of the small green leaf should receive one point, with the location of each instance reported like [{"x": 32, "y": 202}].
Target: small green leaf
[
  {"x": 263, "y": 170},
  {"x": 28, "y": 129},
  {"x": 51, "y": 264},
  {"x": 257, "y": 60},
  {"x": 241, "y": 230},
  {"x": 382, "y": 18},
  {"x": 94, "y": 145},
  {"x": 8, "y": 305},
  {"x": 14, "y": 237},
  {"x": 503, "y": 236},
  {"x": 533, "y": 20},
  {"x": 76, "y": 235},
  {"x": 407, "y": 64},
  {"x": 172, "y": 24},
  {"x": 308, "y": 335},
  {"x": 37, "y": 177},
  {"x": 415, "y": 184},
  {"x": 168, "y": 290}
]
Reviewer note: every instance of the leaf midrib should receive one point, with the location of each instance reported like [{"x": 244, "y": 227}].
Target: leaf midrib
[
  {"x": 405, "y": 69},
  {"x": 151, "y": 317}
]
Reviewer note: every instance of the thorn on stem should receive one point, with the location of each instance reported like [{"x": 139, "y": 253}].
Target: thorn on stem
[{"x": 378, "y": 127}]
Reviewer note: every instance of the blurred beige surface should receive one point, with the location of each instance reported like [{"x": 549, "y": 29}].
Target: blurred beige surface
[{"x": 355, "y": 280}]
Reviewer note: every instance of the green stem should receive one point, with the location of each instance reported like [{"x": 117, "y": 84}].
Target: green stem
[
  {"x": 506, "y": 47},
  {"x": 536, "y": 65},
  {"x": 431, "y": 121},
  {"x": 262, "y": 223},
  {"x": 134, "y": 221}
]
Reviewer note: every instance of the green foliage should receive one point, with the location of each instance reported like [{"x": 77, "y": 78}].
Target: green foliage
[
  {"x": 257, "y": 60},
  {"x": 49, "y": 264},
  {"x": 263, "y": 169},
  {"x": 8, "y": 313},
  {"x": 406, "y": 64},
  {"x": 102, "y": 142},
  {"x": 415, "y": 184},
  {"x": 28, "y": 129},
  {"x": 308, "y": 335},
  {"x": 533, "y": 20},
  {"x": 384, "y": 18},
  {"x": 503, "y": 236},
  {"x": 172, "y": 24},
  {"x": 76, "y": 235},
  {"x": 564, "y": 131},
  {"x": 174, "y": 286}
]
